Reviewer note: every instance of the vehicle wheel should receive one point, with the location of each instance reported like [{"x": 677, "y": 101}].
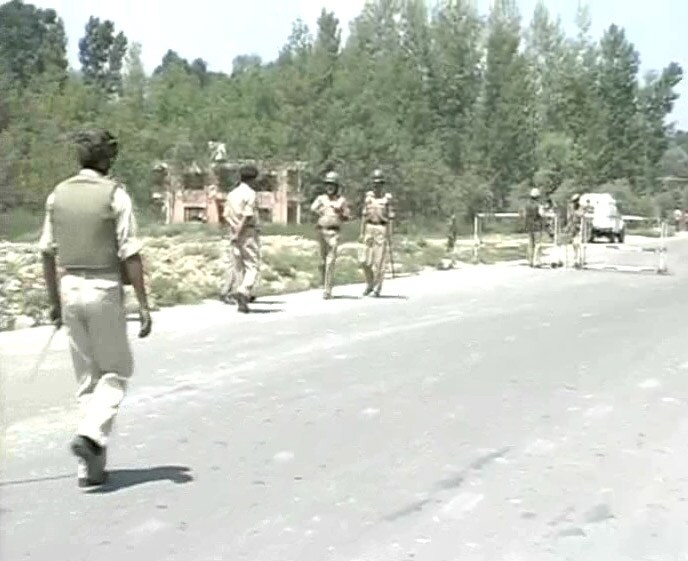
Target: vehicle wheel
[{"x": 621, "y": 236}]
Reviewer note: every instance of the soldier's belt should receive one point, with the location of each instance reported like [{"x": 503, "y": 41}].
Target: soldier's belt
[
  {"x": 90, "y": 273},
  {"x": 377, "y": 223},
  {"x": 334, "y": 228}
]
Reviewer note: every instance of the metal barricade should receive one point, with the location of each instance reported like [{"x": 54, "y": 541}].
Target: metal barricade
[{"x": 603, "y": 251}]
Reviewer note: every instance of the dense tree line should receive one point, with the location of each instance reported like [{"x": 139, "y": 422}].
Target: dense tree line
[{"x": 463, "y": 112}]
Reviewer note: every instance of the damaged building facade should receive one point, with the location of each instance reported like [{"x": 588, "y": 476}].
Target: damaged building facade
[{"x": 196, "y": 193}]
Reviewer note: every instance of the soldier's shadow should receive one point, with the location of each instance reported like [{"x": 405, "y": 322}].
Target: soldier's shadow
[{"x": 119, "y": 479}]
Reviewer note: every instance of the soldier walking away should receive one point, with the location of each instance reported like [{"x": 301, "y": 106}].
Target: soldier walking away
[
  {"x": 332, "y": 210},
  {"x": 241, "y": 215},
  {"x": 221, "y": 185},
  {"x": 575, "y": 229},
  {"x": 90, "y": 228},
  {"x": 376, "y": 231},
  {"x": 534, "y": 224}
]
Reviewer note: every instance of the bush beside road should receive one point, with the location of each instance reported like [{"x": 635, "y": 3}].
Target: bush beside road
[{"x": 188, "y": 265}]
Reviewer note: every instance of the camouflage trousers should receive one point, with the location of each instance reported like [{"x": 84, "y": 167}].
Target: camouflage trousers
[
  {"x": 328, "y": 239},
  {"x": 374, "y": 255}
]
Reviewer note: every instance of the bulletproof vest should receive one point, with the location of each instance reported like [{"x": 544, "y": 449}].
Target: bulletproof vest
[{"x": 84, "y": 223}]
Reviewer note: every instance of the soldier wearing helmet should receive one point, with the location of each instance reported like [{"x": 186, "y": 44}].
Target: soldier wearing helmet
[
  {"x": 332, "y": 210},
  {"x": 90, "y": 228},
  {"x": 534, "y": 225},
  {"x": 241, "y": 216},
  {"x": 376, "y": 230}
]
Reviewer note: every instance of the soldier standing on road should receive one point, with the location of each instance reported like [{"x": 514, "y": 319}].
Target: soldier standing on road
[
  {"x": 533, "y": 218},
  {"x": 376, "y": 231},
  {"x": 575, "y": 230},
  {"x": 90, "y": 227},
  {"x": 678, "y": 219},
  {"x": 241, "y": 216},
  {"x": 332, "y": 210}
]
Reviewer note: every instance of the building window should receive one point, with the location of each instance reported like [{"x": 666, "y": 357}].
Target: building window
[
  {"x": 265, "y": 215},
  {"x": 293, "y": 183},
  {"x": 194, "y": 214},
  {"x": 292, "y": 212}
]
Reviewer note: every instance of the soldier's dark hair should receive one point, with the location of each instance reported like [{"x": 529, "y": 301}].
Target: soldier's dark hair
[
  {"x": 96, "y": 149},
  {"x": 248, "y": 172}
]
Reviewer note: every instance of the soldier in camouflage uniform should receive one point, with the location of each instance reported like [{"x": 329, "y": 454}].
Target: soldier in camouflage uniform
[
  {"x": 376, "y": 231},
  {"x": 332, "y": 210}
]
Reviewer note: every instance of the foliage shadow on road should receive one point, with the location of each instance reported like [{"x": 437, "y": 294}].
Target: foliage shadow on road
[
  {"x": 119, "y": 479},
  {"x": 611, "y": 271},
  {"x": 254, "y": 310}
]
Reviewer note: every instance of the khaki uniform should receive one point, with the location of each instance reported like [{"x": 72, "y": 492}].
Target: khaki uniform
[
  {"x": 377, "y": 215},
  {"x": 534, "y": 226},
  {"x": 576, "y": 231},
  {"x": 332, "y": 214},
  {"x": 92, "y": 299},
  {"x": 245, "y": 254}
]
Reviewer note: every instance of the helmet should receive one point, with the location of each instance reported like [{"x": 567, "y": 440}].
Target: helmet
[
  {"x": 575, "y": 197},
  {"x": 534, "y": 193},
  {"x": 378, "y": 176},
  {"x": 160, "y": 166},
  {"x": 332, "y": 177}
]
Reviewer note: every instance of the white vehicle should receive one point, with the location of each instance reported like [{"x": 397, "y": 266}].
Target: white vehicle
[{"x": 606, "y": 219}]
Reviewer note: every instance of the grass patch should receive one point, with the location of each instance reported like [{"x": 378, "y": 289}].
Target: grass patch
[
  {"x": 648, "y": 232},
  {"x": 189, "y": 231},
  {"x": 288, "y": 264},
  {"x": 490, "y": 254},
  {"x": 21, "y": 225}
]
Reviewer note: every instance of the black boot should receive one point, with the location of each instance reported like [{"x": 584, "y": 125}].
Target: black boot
[{"x": 92, "y": 459}]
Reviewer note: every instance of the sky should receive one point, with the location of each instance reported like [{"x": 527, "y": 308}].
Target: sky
[{"x": 219, "y": 30}]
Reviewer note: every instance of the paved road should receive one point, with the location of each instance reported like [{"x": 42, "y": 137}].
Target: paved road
[{"x": 486, "y": 414}]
